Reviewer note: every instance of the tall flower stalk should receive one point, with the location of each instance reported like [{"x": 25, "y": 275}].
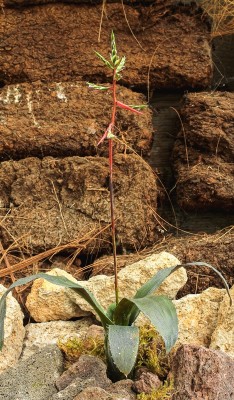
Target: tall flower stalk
[{"x": 116, "y": 64}]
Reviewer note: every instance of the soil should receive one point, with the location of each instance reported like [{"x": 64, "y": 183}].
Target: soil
[
  {"x": 66, "y": 119},
  {"x": 56, "y": 42},
  {"x": 204, "y": 152},
  {"x": 52, "y": 202}
]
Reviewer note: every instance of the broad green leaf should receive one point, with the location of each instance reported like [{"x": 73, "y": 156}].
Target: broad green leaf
[
  {"x": 123, "y": 343},
  {"x": 154, "y": 283},
  {"x": 98, "y": 87},
  {"x": 110, "y": 311},
  {"x": 162, "y": 314},
  {"x": 56, "y": 280},
  {"x": 106, "y": 62},
  {"x": 159, "y": 309}
]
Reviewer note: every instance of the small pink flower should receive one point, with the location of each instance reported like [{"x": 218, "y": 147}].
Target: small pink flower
[{"x": 108, "y": 130}]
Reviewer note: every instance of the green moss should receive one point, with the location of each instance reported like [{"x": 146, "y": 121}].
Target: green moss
[
  {"x": 152, "y": 352},
  {"x": 73, "y": 348},
  {"x": 164, "y": 392}
]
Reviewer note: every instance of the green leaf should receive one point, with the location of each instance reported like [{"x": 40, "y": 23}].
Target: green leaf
[
  {"x": 98, "y": 87},
  {"x": 159, "y": 309},
  {"x": 162, "y": 313},
  {"x": 106, "y": 62},
  {"x": 121, "y": 65},
  {"x": 139, "y": 107},
  {"x": 127, "y": 312},
  {"x": 114, "y": 57},
  {"x": 56, "y": 280},
  {"x": 123, "y": 343}
]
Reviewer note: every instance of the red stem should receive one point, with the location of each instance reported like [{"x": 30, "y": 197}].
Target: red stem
[{"x": 112, "y": 191}]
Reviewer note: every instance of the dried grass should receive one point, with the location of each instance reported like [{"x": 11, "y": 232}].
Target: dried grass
[{"x": 221, "y": 13}]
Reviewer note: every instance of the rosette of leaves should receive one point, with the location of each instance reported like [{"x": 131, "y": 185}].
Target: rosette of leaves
[{"x": 121, "y": 334}]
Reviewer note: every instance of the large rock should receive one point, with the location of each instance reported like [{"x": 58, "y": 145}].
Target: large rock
[
  {"x": 60, "y": 200},
  {"x": 198, "y": 315},
  {"x": 223, "y": 336},
  {"x": 56, "y": 42},
  {"x": 48, "y": 302},
  {"x": 130, "y": 279},
  {"x": 204, "y": 152},
  {"x": 14, "y": 333},
  {"x": 34, "y": 378},
  {"x": 200, "y": 374},
  {"x": 61, "y": 119},
  {"x": 38, "y": 336}
]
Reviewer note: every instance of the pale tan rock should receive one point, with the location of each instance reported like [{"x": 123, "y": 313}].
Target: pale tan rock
[
  {"x": 48, "y": 302},
  {"x": 223, "y": 336},
  {"x": 198, "y": 315},
  {"x": 131, "y": 278},
  {"x": 39, "y": 335},
  {"x": 14, "y": 332}
]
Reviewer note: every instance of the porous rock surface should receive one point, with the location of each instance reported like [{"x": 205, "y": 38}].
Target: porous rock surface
[
  {"x": 56, "y": 42},
  {"x": 198, "y": 316},
  {"x": 87, "y": 379},
  {"x": 68, "y": 118},
  {"x": 130, "y": 279},
  {"x": 34, "y": 378},
  {"x": 14, "y": 332},
  {"x": 48, "y": 302},
  {"x": 60, "y": 200},
  {"x": 38, "y": 336},
  {"x": 201, "y": 373},
  {"x": 223, "y": 335},
  {"x": 204, "y": 152}
]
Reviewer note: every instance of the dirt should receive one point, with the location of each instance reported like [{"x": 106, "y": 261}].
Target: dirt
[
  {"x": 51, "y": 202},
  {"x": 204, "y": 151},
  {"x": 65, "y": 119},
  {"x": 56, "y": 42}
]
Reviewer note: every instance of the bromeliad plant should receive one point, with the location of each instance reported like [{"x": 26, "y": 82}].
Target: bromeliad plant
[{"x": 121, "y": 334}]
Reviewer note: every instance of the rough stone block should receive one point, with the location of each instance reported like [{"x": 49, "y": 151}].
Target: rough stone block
[
  {"x": 56, "y": 42},
  {"x": 65, "y": 119},
  {"x": 54, "y": 201},
  {"x": 200, "y": 374},
  {"x": 204, "y": 152}
]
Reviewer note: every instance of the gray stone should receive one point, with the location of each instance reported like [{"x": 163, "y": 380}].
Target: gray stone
[
  {"x": 40, "y": 335},
  {"x": 34, "y": 378},
  {"x": 85, "y": 368}
]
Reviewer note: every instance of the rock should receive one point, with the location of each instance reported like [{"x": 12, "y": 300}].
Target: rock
[
  {"x": 96, "y": 392},
  {"x": 62, "y": 200},
  {"x": 74, "y": 29},
  {"x": 66, "y": 119},
  {"x": 146, "y": 383},
  {"x": 131, "y": 278},
  {"x": 75, "y": 387},
  {"x": 86, "y": 367},
  {"x": 48, "y": 302},
  {"x": 118, "y": 391},
  {"x": 201, "y": 373},
  {"x": 203, "y": 166},
  {"x": 198, "y": 315},
  {"x": 223, "y": 335},
  {"x": 14, "y": 332},
  {"x": 34, "y": 378},
  {"x": 40, "y": 335}
]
